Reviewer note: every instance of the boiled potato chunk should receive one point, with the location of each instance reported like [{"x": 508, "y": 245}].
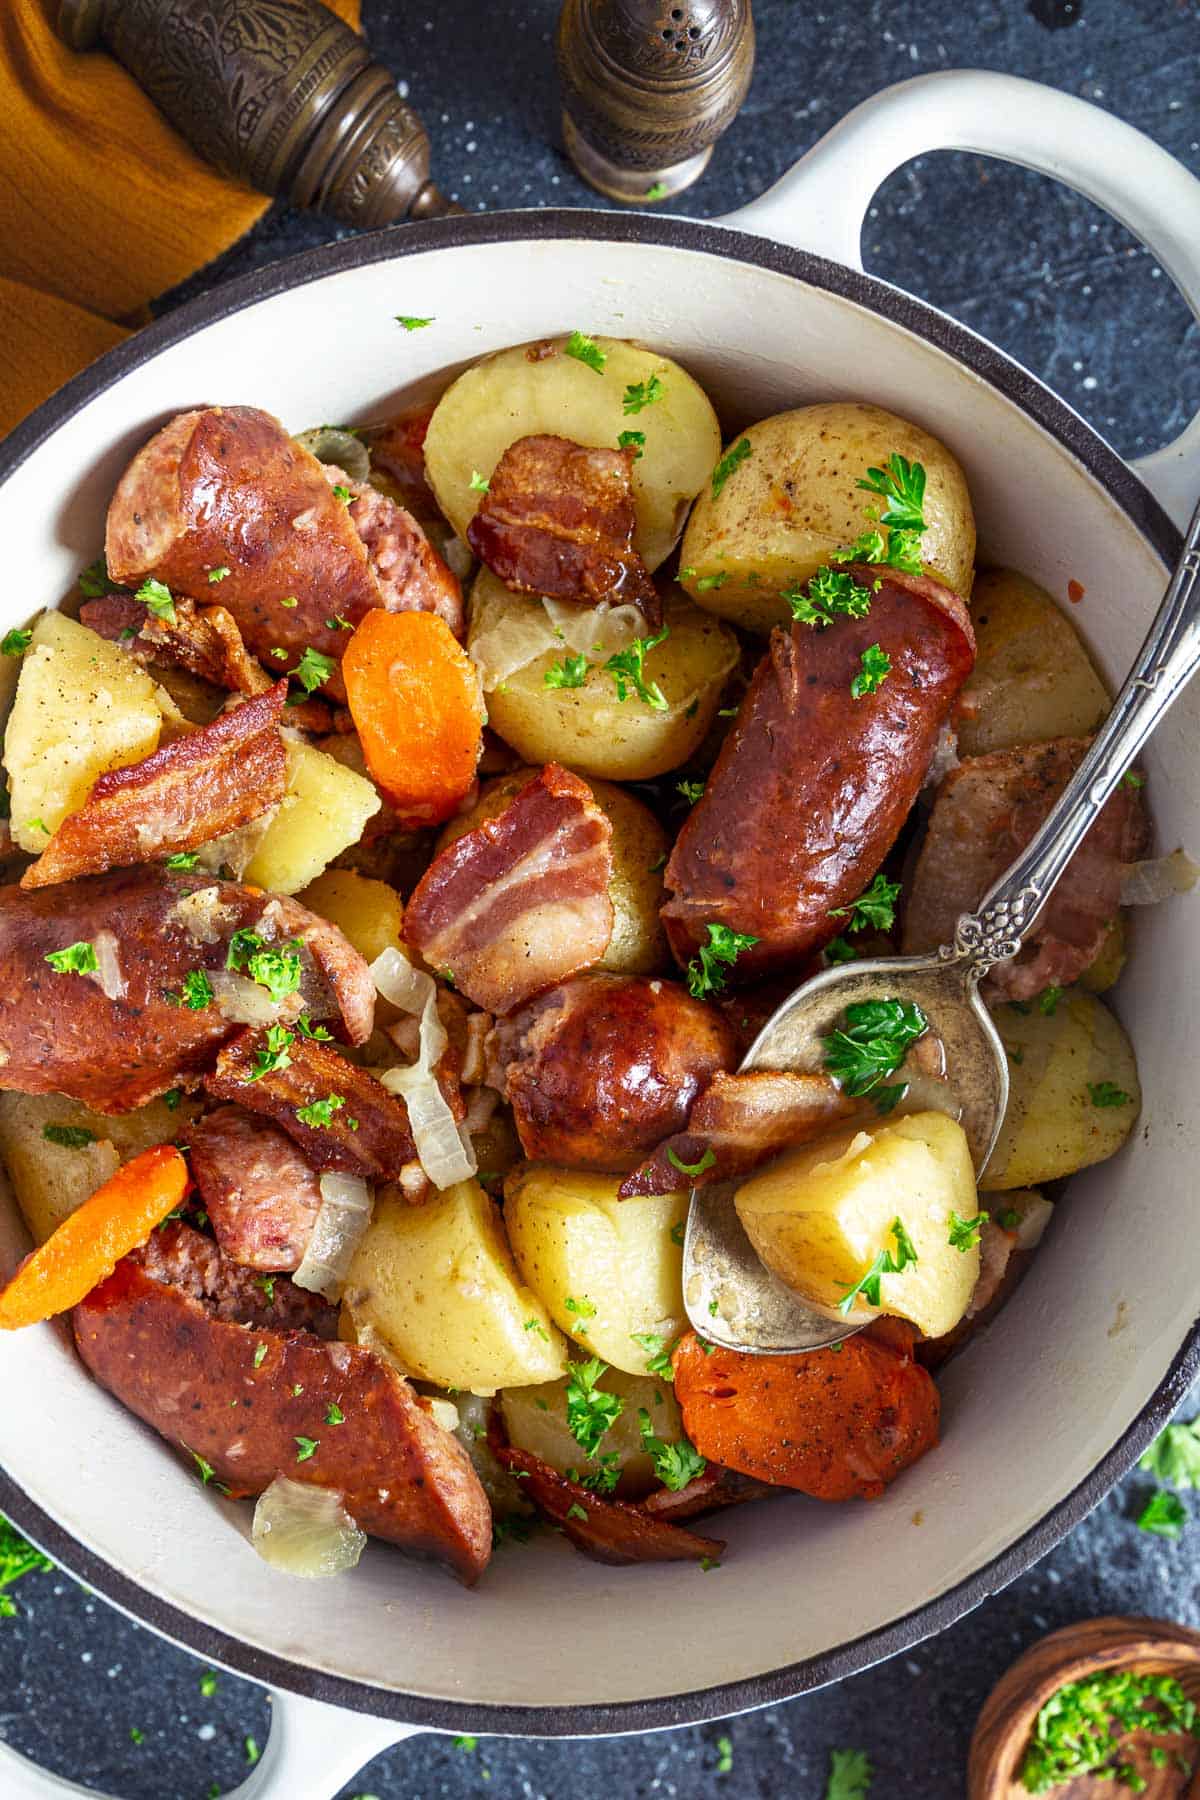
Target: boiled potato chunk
[
  {"x": 608, "y": 1271},
  {"x": 323, "y": 811},
  {"x": 1105, "y": 968},
  {"x": 82, "y": 707},
  {"x": 793, "y": 503},
  {"x": 638, "y": 944},
  {"x": 437, "y": 1284},
  {"x": 1073, "y": 1097},
  {"x": 51, "y": 1179},
  {"x": 535, "y": 1419},
  {"x": 588, "y": 728},
  {"x": 821, "y": 1215},
  {"x": 534, "y": 389},
  {"x": 366, "y": 912},
  {"x": 1032, "y": 679}
]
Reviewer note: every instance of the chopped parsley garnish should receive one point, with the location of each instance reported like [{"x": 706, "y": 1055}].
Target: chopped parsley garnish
[
  {"x": 219, "y": 574},
  {"x": 571, "y": 672},
  {"x": 1048, "y": 1000},
  {"x": 334, "y": 1414},
  {"x": 575, "y": 1511},
  {"x": 693, "y": 1169},
  {"x": 69, "y": 1137},
  {"x": 964, "y": 1233},
  {"x": 875, "y": 665},
  {"x": 277, "y": 969},
  {"x": 252, "y": 1751},
  {"x": 675, "y": 1464},
  {"x": 410, "y": 322},
  {"x": 581, "y": 1309},
  {"x": 850, "y": 1775},
  {"x": 724, "y": 1755},
  {"x": 17, "y": 1557},
  {"x": 15, "y": 643},
  {"x": 156, "y": 597},
  {"x": 628, "y": 670},
  {"x": 172, "y": 1097},
  {"x": 320, "y": 1112},
  {"x": 312, "y": 669},
  {"x": 707, "y": 583},
  {"x": 1009, "y": 1219},
  {"x": 590, "y": 1411},
  {"x": 305, "y": 1447},
  {"x": 1164, "y": 1515},
  {"x": 38, "y": 825},
  {"x": 632, "y": 440},
  {"x": 1107, "y": 1093},
  {"x": 657, "y": 1353},
  {"x": 267, "y": 1284},
  {"x": 197, "y": 991},
  {"x": 709, "y": 1562},
  {"x": 182, "y": 859},
  {"x": 76, "y": 959},
  {"x": 603, "y": 1480},
  {"x": 466, "y": 1743},
  {"x": 535, "y": 1325},
  {"x": 337, "y": 623},
  {"x": 732, "y": 459},
  {"x": 276, "y": 1054},
  {"x": 95, "y": 580},
  {"x": 884, "y": 1264},
  {"x": 677, "y": 1232},
  {"x": 875, "y": 908},
  {"x": 1131, "y": 779},
  {"x": 690, "y": 790},
  {"x": 902, "y": 486},
  {"x": 829, "y": 593},
  {"x": 207, "y": 1473},
  {"x": 290, "y": 601},
  {"x": 707, "y": 971},
  {"x": 640, "y": 394},
  {"x": 138, "y": 1736},
  {"x": 1078, "y": 1731},
  {"x": 317, "y": 1033},
  {"x": 586, "y": 350},
  {"x": 1174, "y": 1456},
  {"x": 656, "y": 191},
  {"x": 839, "y": 951},
  {"x": 342, "y": 493},
  {"x": 260, "y": 1355},
  {"x": 208, "y": 1683},
  {"x": 479, "y": 484},
  {"x": 874, "y": 1043}
]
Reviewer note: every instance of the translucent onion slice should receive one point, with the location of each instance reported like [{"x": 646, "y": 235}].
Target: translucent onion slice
[
  {"x": 305, "y": 1531},
  {"x": 596, "y": 632},
  {"x": 242, "y": 1001},
  {"x": 522, "y": 635},
  {"x": 444, "y": 1151},
  {"x": 107, "y": 973},
  {"x": 1159, "y": 878},
  {"x": 346, "y": 1206},
  {"x": 330, "y": 444}
]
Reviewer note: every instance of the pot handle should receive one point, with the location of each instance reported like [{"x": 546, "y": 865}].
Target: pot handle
[
  {"x": 821, "y": 203},
  {"x": 312, "y": 1752}
]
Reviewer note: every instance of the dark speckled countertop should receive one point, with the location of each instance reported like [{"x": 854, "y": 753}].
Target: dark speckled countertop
[{"x": 1071, "y": 294}]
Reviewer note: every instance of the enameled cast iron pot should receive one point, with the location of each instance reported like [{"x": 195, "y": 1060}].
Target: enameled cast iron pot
[{"x": 1089, "y": 1360}]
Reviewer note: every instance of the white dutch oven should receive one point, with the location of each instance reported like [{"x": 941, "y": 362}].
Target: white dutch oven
[{"x": 1078, "y": 1373}]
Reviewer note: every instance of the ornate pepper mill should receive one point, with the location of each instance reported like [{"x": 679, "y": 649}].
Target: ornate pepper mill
[
  {"x": 648, "y": 87},
  {"x": 279, "y": 93}
]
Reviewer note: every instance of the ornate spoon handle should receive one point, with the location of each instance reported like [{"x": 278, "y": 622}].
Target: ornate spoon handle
[{"x": 1166, "y": 663}]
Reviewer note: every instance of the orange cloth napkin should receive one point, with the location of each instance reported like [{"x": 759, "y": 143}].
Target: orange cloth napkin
[{"x": 102, "y": 205}]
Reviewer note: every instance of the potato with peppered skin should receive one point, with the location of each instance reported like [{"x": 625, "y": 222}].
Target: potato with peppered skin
[
  {"x": 793, "y": 503},
  {"x": 1033, "y": 679},
  {"x": 638, "y": 945},
  {"x": 588, "y": 728},
  {"x": 535, "y": 389}
]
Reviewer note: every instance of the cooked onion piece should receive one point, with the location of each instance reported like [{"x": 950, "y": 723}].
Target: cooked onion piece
[
  {"x": 305, "y": 1531},
  {"x": 346, "y": 1205},
  {"x": 444, "y": 1151}
]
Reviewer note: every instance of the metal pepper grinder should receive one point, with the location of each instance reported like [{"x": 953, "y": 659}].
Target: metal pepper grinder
[
  {"x": 648, "y": 87},
  {"x": 279, "y": 93}
]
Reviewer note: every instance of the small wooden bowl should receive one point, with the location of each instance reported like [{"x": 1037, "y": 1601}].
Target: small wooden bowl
[{"x": 1148, "y": 1647}]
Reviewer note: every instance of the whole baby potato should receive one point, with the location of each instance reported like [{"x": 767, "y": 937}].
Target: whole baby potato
[
  {"x": 638, "y": 945},
  {"x": 533, "y": 389},
  {"x": 589, "y": 728},
  {"x": 822, "y": 1214},
  {"x": 793, "y": 502},
  {"x": 1073, "y": 1091},
  {"x": 1032, "y": 679}
]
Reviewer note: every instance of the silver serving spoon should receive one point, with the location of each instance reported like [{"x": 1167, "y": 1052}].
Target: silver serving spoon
[{"x": 731, "y": 1299}]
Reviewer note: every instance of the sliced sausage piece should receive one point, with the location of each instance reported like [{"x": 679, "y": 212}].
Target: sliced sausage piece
[
  {"x": 204, "y": 1385},
  {"x": 190, "y": 791},
  {"x": 522, "y": 901},
  {"x": 260, "y": 1193},
  {"x": 412, "y": 576},
  {"x": 985, "y": 813},
  {"x": 62, "y": 1033},
  {"x": 833, "y": 1423},
  {"x": 812, "y": 785},
  {"x": 182, "y": 1257},
  {"x": 601, "y": 1069}
]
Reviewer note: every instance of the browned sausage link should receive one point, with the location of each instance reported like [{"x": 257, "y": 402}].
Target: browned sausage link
[
  {"x": 600, "y": 1070},
  {"x": 357, "y": 1125},
  {"x": 182, "y": 1257},
  {"x": 204, "y": 1385},
  {"x": 260, "y": 1194},
  {"x": 812, "y": 785},
  {"x": 61, "y": 1033},
  {"x": 227, "y": 488},
  {"x": 190, "y": 791}
]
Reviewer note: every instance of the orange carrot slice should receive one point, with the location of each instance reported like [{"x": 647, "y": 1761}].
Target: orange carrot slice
[
  {"x": 415, "y": 699},
  {"x": 88, "y": 1245}
]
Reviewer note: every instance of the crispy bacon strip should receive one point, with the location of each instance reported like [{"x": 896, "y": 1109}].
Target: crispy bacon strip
[
  {"x": 261, "y": 1195},
  {"x": 188, "y": 792},
  {"x": 743, "y": 1120},
  {"x": 610, "y": 1531},
  {"x": 986, "y": 811},
  {"x": 558, "y": 519},
  {"x": 367, "y": 1135},
  {"x": 522, "y": 901},
  {"x": 204, "y": 641}
]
